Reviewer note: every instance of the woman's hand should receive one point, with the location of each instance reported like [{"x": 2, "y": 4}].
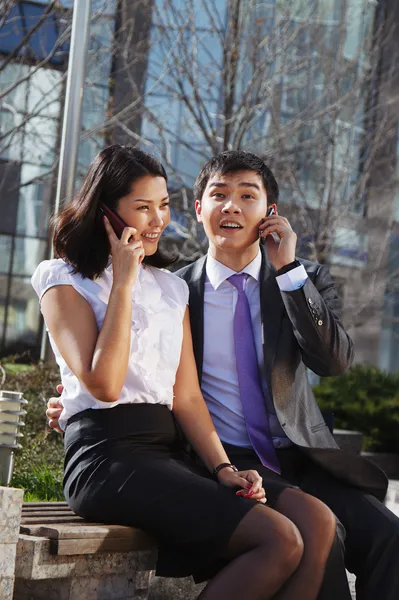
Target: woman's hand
[
  {"x": 250, "y": 483},
  {"x": 127, "y": 254}
]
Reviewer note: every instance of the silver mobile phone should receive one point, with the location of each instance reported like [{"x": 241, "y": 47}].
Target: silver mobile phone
[{"x": 269, "y": 213}]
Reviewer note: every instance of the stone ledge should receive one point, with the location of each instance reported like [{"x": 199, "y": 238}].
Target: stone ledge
[
  {"x": 350, "y": 441},
  {"x": 34, "y": 561},
  {"x": 10, "y": 514}
]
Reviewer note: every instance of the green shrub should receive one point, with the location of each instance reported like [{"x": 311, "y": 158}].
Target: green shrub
[
  {"x": 367, "y": 400},
  {"x": 39, "y": 464},
  {"x": 40, "y": 483}
]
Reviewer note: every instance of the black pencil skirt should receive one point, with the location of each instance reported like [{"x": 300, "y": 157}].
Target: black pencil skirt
[{"x": 126, "y": 465}]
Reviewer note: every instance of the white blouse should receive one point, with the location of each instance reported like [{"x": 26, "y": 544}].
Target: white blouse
[{"x": 159, "y": 302}]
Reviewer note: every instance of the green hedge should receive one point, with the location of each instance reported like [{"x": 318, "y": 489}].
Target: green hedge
[{"x": 367, "y": 400}]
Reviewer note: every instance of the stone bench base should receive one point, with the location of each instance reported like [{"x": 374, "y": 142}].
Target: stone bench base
[
  {"x": 102, "y": 576},
  {"x": 10, "y": 515}
]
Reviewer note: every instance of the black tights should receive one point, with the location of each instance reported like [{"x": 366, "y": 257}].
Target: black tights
[{"x": 283, "y": 554}]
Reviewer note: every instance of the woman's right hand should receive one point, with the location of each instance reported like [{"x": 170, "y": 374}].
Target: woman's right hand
[{"x": 127, "y": 254}]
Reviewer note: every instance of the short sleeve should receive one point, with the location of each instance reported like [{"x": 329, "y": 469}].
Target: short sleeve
[
  {"x": 175, "y": 287},
  {"x": 55, "y": 272},
  {"x": 184, "y": 291}
]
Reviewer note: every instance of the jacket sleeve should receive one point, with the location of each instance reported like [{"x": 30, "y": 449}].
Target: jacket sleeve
[{"x": 314, "y": 311}]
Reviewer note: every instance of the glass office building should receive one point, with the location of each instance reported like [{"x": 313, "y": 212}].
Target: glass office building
[{"x": 32, "y": 86}]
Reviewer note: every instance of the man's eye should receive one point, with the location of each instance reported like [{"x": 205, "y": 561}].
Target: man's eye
[
  {"x": 218, "y": 195},
  {"x": 246, "y": 196}
]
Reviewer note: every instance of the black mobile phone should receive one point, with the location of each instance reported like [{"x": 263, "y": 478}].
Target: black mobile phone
[{"x": 117, "y": 223}]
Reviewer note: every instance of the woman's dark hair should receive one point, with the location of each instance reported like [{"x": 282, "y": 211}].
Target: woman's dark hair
[
  {"x": 237, "y": 160},
  {"x": 79, "y": 234}
]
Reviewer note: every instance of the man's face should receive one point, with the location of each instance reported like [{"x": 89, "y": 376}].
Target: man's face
[{"x": 232, "y": 208}]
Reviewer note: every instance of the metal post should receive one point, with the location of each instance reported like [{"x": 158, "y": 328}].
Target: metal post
[{"x": 72, "y": 113}]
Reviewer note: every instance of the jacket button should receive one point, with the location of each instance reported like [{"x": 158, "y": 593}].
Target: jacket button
[
  {"x": 320, "y": 322},
  {"x": 310, "y": 301}
]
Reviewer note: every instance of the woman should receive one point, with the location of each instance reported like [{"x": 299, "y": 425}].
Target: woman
[{"x": 120, "y": 331}]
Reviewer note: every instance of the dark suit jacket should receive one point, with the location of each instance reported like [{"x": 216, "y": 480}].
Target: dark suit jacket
[{"x": 300, "y": 329}]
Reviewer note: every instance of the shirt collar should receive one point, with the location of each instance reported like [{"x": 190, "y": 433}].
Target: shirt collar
[{"x": 218, "y": 273}]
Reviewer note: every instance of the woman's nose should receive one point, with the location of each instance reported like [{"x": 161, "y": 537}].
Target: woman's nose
[{"x": 157, "y": 219}]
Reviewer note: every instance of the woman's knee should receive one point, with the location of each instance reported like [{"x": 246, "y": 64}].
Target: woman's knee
[
  {"x": 288, "y": 545},
  {"x": 281, "y": 536},
  {"x": 324, "y": 517},
  {"x": 310, "y": 514},
  {"x": 270, "y": 533}
]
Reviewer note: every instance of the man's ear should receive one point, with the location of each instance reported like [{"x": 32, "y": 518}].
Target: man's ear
[
  {"x": 274, "y": 205},
  {"x": 198, "y": 209}
]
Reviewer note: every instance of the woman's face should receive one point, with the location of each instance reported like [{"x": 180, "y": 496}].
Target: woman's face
[{"x": 146, "y": 208}]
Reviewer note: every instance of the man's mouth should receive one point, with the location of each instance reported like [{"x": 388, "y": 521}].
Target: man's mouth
[{"x": 230, "y": 225}]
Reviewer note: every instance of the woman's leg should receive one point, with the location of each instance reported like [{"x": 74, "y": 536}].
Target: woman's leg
[
  {"x": 266, "y": 549},
  {"x": 317, "y": 525}
]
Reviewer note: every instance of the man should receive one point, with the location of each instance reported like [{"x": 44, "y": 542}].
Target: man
[{"x": 293, "y": 312}]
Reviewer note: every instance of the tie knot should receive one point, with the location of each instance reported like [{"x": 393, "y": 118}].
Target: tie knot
[{"x": 238, "y": 281}]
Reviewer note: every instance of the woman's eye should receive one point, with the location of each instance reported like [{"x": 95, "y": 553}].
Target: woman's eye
[
  {"x": 165, "y": 205},
  {"x": 142, "y": 207}
]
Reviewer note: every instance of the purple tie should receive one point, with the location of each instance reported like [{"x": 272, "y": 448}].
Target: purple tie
[{"x": 249, "y": 382}]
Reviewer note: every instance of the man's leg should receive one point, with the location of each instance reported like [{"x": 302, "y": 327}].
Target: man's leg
[{"x": 372, "y": 533}]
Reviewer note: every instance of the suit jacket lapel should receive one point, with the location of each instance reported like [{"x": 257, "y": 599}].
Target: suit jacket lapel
[
  {"x": 272, "y": 310},
  {"x": 196, "y": 284}
]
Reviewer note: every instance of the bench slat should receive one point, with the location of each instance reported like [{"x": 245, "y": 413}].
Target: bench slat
[
  {"x": 81, "y": 530},
  {"x": 43, "y": 504},
  {"x": 41, "y": 513},
  {"x": 50, "y": 519},
  {"x": 28, "y": 509},
  {"x": 92, "y": 546}
]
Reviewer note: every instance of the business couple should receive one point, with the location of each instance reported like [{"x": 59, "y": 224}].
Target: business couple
[{"x": 259, "y": 318}]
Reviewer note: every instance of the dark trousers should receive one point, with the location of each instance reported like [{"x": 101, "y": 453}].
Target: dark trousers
[{"x": 372, "y": 531}]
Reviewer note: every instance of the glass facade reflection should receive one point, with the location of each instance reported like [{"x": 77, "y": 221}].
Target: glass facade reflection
[{"x": 30, "y": 119}]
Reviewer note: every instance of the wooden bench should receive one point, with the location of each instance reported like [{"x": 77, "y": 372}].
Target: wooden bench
[
  {"x": 62, "y": 557},
  {"x": 69, "y": 534}
]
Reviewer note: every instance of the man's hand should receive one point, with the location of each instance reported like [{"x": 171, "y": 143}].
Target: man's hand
[
  {"x": 280, "y": 253},
  {"x": 54, "y": 410}
]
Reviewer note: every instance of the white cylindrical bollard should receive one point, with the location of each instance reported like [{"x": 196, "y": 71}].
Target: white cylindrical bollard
[{"x": 11, "y": 413}]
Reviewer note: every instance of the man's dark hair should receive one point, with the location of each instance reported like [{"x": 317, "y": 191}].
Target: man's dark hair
[
  {"x": 79, "y": 233},
  {"x": 236, "y": 160}
]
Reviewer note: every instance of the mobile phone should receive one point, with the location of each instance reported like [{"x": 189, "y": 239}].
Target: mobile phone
[
  {"x": 117, "y": 223},
  {"x": 274, "y": 235}
]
